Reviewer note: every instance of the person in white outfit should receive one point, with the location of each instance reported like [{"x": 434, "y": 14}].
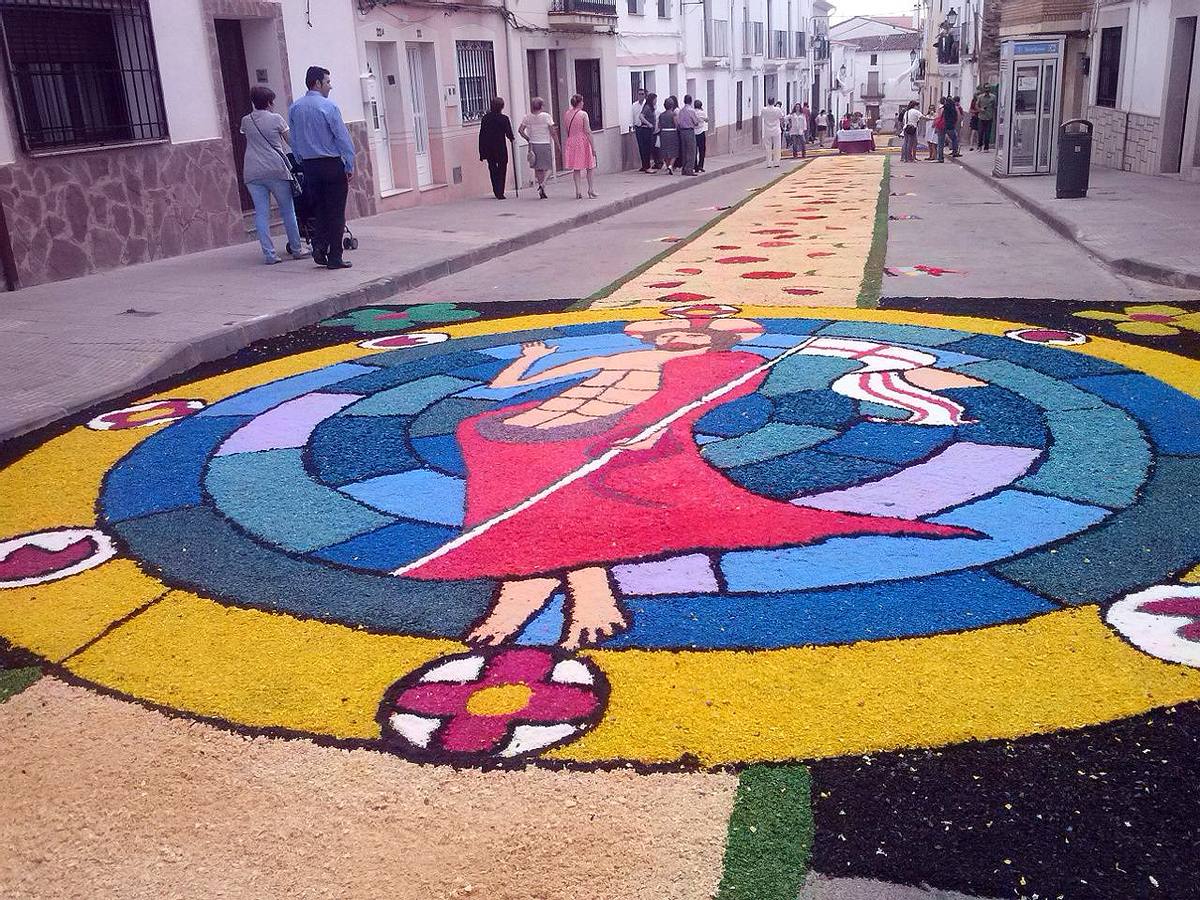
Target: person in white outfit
[{"x": 772, "y": 132}]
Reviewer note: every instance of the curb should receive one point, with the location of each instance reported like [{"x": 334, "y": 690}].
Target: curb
[
  {"x": 226, "y": 341},
  {"x": 1131, "y": 266}
]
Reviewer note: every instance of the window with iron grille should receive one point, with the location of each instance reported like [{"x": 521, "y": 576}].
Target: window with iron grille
[
  {"x": 664, "y": 9},
  {"x": 587, "y": 83},
  {"x": 798, "y": 48},
  {"x": 83, "y": 73},
  {"x": 476, "y": 79}
]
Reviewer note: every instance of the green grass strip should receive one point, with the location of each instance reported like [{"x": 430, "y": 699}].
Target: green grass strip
[
  {"x": 770, "y": 834},
  {"x": 679, "y": 245},
  {"x": 872, "y": 283},
  {"x": 13, "y": 681}
]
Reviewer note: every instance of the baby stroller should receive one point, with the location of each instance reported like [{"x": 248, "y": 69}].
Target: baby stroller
[{"x": 304, "y": 210}]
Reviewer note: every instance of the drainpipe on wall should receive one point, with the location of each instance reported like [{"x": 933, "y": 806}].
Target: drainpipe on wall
[{"x": 512, "y": 98}]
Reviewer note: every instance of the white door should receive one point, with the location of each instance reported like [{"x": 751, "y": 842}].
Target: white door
[
  {"x": 381, "y": 149},
  {"x": 420, "y": 126}
]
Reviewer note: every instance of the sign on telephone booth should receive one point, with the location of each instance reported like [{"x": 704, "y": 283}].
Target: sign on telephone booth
[{"x": 1029, "y": 106}]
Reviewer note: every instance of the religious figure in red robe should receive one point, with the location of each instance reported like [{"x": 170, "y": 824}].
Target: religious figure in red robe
[{"x": 560, "y": 490}]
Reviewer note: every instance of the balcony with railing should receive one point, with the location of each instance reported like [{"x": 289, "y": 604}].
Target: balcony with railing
[
  {"x": 752, "y": 38},
  {"x": 918, "y": 75},
  {"x": 799, "y": 44},
  {"x": 778, "y": 48},
  {"x": 716, "y": 38},
  {"x": 583, "y": 15},
  {"x": 872, "y": 90},
  {"x": 948, "y": 48}
]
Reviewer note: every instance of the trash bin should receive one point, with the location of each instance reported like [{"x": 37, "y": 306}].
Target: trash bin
[{"x": 1074, "y": 158}]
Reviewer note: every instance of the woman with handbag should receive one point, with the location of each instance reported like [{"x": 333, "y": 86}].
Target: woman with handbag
[
  {"x": 267, "y": 173},
  {"x": 539, "y": 130}
]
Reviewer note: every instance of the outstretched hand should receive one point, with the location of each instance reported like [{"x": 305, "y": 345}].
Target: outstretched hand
[{"x": 535, "y": 349}]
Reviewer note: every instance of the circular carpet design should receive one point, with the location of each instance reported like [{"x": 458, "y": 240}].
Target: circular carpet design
[{"x": 594, "y": 538}]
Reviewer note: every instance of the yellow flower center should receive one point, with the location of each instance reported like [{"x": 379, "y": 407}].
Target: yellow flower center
[{"x": 499, "y": 700}]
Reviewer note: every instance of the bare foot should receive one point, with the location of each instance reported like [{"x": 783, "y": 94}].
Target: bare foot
[
  {"x": 594, "y": 613},
  {"x": 514, "y": 606}
]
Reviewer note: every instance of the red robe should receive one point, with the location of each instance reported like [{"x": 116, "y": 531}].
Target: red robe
[{"x": 644, "y": 503}]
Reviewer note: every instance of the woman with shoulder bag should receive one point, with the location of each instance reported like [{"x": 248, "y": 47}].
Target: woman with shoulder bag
[
  {"x": 579, "y": 154},
  {"x": 267, "y": 172}
]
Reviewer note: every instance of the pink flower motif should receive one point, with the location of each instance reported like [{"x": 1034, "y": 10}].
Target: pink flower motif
[{"x": 493, "y": 703}]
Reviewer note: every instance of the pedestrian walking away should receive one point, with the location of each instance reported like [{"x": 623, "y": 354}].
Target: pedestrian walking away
[
  {"x": 911, "y": 124},
  {"x": 959, "y": 118},
  {"x": 668, "y": 134},
  {"x": 539, "y": 130},
  {"x": 643, "y": 128},
  {"x": 701, "y": 135},
  {"x": 322, "y": 143},
  {"x": 267, "y": 173},
  {"x": 686, "y": 121},
  {"x": 797, "y": 131},
  {"x": 580, "y": 153},
  {"x": 495, "y": 131},
  {"x": 822, "y": 127},
  {"x": 772, "y": 115},
  {"x": 948, "y": 129}
]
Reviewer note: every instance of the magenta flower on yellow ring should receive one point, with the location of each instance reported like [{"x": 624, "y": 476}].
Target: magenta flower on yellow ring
[{"x": 1152, "y": 319}]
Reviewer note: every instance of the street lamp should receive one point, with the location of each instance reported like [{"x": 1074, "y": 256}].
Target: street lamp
[{"x": 952, "y": 17}]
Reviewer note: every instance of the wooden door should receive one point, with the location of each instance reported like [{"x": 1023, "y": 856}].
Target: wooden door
[{"x": 232, "y": 53}]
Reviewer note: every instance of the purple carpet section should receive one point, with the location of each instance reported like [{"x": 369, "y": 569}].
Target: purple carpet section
[{"x": 288, "y": 425}]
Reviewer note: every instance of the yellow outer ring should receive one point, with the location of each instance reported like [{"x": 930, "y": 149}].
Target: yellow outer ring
[{"x": 252, "y": 669}]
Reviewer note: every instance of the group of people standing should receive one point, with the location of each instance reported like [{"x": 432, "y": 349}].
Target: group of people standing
[
  {"x": 676, "y": 138},
  {"x": 942, "y": 126}
]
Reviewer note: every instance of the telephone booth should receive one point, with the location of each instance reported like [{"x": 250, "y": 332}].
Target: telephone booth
[{"x": 1029, "y": 106}]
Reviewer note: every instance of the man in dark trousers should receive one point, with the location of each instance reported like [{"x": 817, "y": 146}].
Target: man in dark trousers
[
  {"x": 495, "y": 131},
  {"x": 323, "y": 146}
]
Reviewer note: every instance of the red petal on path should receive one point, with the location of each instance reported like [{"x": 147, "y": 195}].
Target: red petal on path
[
  {"x": 665, "y": 284},
  {"x": 683, "y": 297},
  {"x": 820, "y": 253},
  {"x": 776, "y": 244},
  {"x": 801, "y": 292},
  {"x": 689, "y": 271},
  {"x": 742, "y": 259},
  {"x": 758, "y": 275}
]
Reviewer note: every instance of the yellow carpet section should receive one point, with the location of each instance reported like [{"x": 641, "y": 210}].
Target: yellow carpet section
[{"x": 803, "y": 241}]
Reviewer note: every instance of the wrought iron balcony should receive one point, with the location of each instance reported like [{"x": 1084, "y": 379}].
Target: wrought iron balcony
[
  {"x": 872, "y": 90},
  {"x": 583, "y": 14}
]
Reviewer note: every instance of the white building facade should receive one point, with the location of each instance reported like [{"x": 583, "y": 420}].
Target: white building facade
[{"x": 1143, "y": 87}]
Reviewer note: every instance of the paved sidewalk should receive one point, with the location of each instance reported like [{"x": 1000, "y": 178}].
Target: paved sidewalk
[
  {"x": 69, "y": 345},
  {"x": 1139, "y": 225},
  {"x": 991, "y": 246}
]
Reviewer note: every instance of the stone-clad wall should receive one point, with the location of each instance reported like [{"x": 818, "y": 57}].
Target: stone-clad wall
[
  {"x": 77, "y": 213},
  {"x": 1128, "y": 141}
]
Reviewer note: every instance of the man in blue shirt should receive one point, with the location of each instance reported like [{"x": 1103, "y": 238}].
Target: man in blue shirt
[{"x": 323, "y": 146}]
